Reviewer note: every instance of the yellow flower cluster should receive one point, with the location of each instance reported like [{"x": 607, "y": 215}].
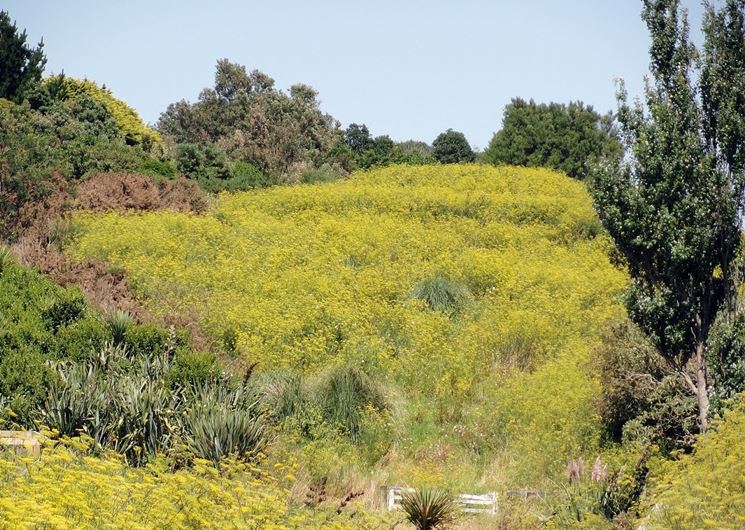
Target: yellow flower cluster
[
  {"x": 705, "y": 489},
  {"x": 64, "y": 489},
  {"x": 312, "y": 275}
]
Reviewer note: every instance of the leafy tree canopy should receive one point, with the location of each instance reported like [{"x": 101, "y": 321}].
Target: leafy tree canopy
[
  {"x": 563, "y": 137},
  {"x": 21, "y": 66},
  {"x": 451, "y": 147},
  {"x": 673, "y": 204}
]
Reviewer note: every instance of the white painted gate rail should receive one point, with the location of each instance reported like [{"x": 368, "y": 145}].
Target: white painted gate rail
[{"x": 486, "y": 503}]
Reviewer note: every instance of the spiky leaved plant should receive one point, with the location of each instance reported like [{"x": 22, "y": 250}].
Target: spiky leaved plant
[
  {"x": 222, "y": 422},
  {"x": 118, "y": 323},
  {"x": 429, "y": 508}
]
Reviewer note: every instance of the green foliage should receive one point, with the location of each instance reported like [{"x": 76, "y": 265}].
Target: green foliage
[
  {"x": 158, "y": 168},
  {"x": 221, "y": 423},
  {"x": 428, "y": 509},
  {"x": 214, "y": 172},
  {"x": 253, "y": 122},
  {"x": 127, "y": 385},
  {"x": 64, "y": 310},
  {"x": 82, "y": 339},
  {"x": 24, "y": 378},
  {"x": 672, "y": 206},
  {"x": 119, "y": 323},
  {"x": 343, "y": 396},
  {"x": 726, "y": 357},
  {"x": 20, "y": 65},
  {"x": 442, "y": 294},
  {"x": 366, "y": 152},
  {"x": 451, "y": 147},
  {"x": 642, "y": 400},
  {"x": 192, "y": 368},
  {"x": 568, "y": 138},
  {"x": 44, "y": 148},
  {"x": 129, "y": 125}
]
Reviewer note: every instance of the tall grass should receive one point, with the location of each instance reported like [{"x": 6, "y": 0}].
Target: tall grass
[{"x": 442, "y": 294}]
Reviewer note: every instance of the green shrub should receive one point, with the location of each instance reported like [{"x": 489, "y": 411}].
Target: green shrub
[
  {"x": 726, "y": 357},
  {"x": 24, "y": 378},
  {"x": 642, "y": 399},
  {"x": 144, "y": 339},
  {"x": 325, "y": 173},
  {"x": 158, "y": 168},
  {"x": 191, "y": 368},
  {"x": 81, "y": 340},
  {"x": 245, "y": 176},
  {"x": 428, "y": 509},
  {"x": 66, "y": 309},
  {"x": 443, "y": 294}
]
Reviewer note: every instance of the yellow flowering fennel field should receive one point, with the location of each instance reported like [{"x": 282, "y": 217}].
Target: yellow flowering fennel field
[{"x": 310, "y": 276}]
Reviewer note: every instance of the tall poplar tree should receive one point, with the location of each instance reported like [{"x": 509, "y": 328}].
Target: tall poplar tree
[{"x": 673, "y": 203}]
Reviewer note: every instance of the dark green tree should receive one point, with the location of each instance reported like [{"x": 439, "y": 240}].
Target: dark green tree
[
  {"x": 358, "y": 138},
  {"x": 564, "y": 137},
  {"x": 673, "y": 204},
  {"x": 20, "y": 65},
  {"x": 451, "y": 147}
]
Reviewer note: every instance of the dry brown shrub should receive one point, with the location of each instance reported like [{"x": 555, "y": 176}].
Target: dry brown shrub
[{"x": 105, "y": 192}]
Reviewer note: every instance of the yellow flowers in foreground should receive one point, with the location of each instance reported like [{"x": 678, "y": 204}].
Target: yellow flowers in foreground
[{"x": 66, "y": 490}]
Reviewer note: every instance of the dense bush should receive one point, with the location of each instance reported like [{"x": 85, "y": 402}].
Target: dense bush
[
  {"x": 451, "y": 147},
  {"x": 214, "y": 172},
  {"x": 642, "y": 399},
  {"x": 564, "y": 137},
  {"x": 46, "y": 148},
  {"x": 250, "y": 121},
  {"x": 726, "y": 357},
  {"x": 703, "y": 489}
]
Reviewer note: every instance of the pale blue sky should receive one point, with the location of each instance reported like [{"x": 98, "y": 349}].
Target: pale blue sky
[{"x": 410, "y": 69}]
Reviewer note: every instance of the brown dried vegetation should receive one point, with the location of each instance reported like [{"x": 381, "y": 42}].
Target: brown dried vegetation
[{"x": 44, "y": 227}]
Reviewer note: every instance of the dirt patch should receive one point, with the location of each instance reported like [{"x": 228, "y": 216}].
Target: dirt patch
[{"x": 105, "y": 192}]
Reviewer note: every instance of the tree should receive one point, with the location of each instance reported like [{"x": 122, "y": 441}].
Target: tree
[
  {"x": 250, "y": 121},
  {"x": 358, "y": 138},
  {"x": 451, "y": 147},
  {"x": 673, "y": 204},
  {"x": 563, "y": 137},
  {"x": 20, "y": 66}
]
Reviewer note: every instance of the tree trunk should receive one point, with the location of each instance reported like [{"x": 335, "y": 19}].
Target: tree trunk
[{"x": 702, "y": 387}]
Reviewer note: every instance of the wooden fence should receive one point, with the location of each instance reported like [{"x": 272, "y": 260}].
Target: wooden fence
[{"x": 467, "y": 502}]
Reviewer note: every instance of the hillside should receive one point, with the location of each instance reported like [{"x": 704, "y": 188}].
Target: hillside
[{"x": 471, "y": 296}]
